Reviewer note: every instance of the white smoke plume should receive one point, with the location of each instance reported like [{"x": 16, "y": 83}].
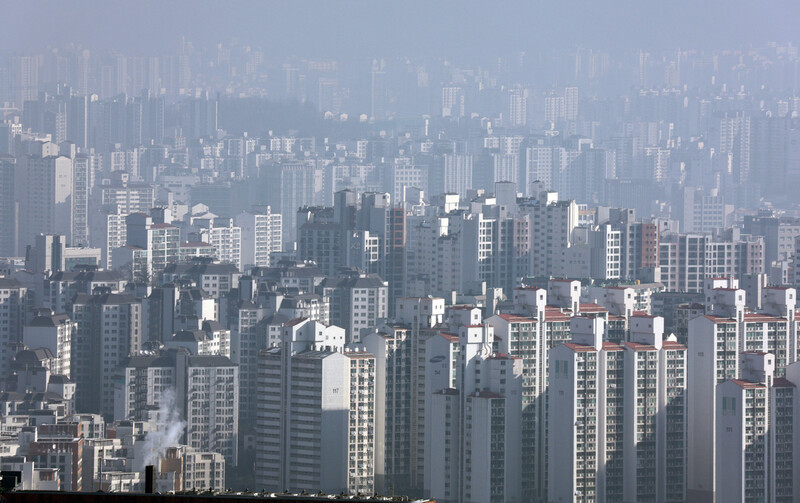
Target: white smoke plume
[{"x": 167, "y": 432}]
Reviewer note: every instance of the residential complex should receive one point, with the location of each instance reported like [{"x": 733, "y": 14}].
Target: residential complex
[{"x": 530, "y": 276}]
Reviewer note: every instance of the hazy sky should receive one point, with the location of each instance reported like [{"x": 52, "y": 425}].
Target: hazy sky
[{"x": 398, "y": 27}]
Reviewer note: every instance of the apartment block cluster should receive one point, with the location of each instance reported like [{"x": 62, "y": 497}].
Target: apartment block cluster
[
  {"x": 509, "y": 381},
  {"x": 516, "y": 294}
]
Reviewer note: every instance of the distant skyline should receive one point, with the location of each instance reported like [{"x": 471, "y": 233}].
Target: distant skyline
[
  {"x": 339, "y": 29},
  {"x": 477, "y": 251}
]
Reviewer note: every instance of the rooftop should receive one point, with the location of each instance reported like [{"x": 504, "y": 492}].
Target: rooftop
[
  {"x": 782, "y": 382},
  {"x": 514, "y": 317},
  {"x": 49, "y": 321},
  {"x": 639, "y": 347},
  {"x": 720, "y": 319},
  {"x": 579, "y": 348},
  {"x": 747, "y": 384}
]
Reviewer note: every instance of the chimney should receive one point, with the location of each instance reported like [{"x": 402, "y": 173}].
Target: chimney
[{"x": 149, "y": 479}]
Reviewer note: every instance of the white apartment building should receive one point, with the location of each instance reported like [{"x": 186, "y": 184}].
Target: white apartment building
[
  {"x": 404, "y": 361},
  {"x": 458, "y": 251},
  {"x": 539, "y": 166},
  {"x": 8, "y": 228},
  {"x": 357, "y": 302},
  {"x": 756, "y": 432},
  {"x": 517, "y": 107},
  {"x": 452, "y": 102},
  {"x": 306, "y": 305},
  {"x": 202, "y": 470},
  {"x": 292, "y": 185},
  {"x": 505, "y": 168},
  {"x": 108, "y": 231},
  {"x": 772, "y": 329},
  {"x": 54, "y": 332},
  {"x": 162, "y": 241},
  {"x": 261, "y": 234},
  {"x": 457, "y": 175},
  {"x": 623, "y": 300},
  {"x": 595, "y": 253},
  {"x": 403, "y": 174},
  {"x": 519, "y": 337},
  {"x": 202, "y": 341},
  {"x": 537, "y": 321},
  {"x": 686, "y": 260},
  {"x": 205, "y": 388},
  {"x": 315, "y": 422},
  {"x": 184, "y": 468},
  {"x": 713, "y": 358},
  {"x": 129, "y": 198},
  {"x": 224, "y": 236},
  {"x": 80, "y": 200},
  {"x": 655, "y": 413},
  {"x": 433, "y": 257},
  {"x": 703, "y": 212},
  {"x": 44, "y": 186},
  {"x": 391, "y": 346},
  {"x": 551, "y": 225},
  {"x": 715, "y": 342},
  {"x": 617, "y": 415},
  {"x": 350, "y": 175},
  {"x": 482, "y": 461}
]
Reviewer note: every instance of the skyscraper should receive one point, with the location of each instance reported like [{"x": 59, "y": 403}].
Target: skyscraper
[
  {"x": 456, "y": 175},
  {"x": 517, "y": 107},
  {"x": 733, "y": 137},
  {"x": 551, "y": 225},
  {"x": 617, "y": 428},
  {"x": 328, "y": 99},
  {"x": 570, "y": 103},
  {"x": 401, "y": 354},
  {"x": 714, "y": 343},
  {"x": 289, "y": 186},
  {"x": 80, "y": 200},
  {"x": 25, "y": 86},
  {"x": 757, "y": 434},
  {"x": 77, "y": 120},
  {"x": 203, "y": 389},
  {"x": 8, "y": 207},
  {"x": 473, "y": 431},
  {"x": 110, "y": 329},
  {"x": 44, "y": 189},
  {"x": 54, "y": 332},
  {"x": 261, "y": 235},
  {"x": 453, "y": 102},
  {"x": 13, "y": 305},
  {"x": 378, "y": 91},
  {"x": 159, "y": 239},
  {"x": 327, "y": 443},
  {"x": 357, "y": 302}
]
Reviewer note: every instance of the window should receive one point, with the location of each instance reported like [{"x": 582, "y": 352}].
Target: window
[{"x": 728, "y": 406}]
